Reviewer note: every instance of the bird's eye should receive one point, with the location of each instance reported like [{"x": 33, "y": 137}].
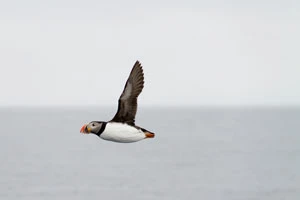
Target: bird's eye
[{"x": 93, "y": 124}]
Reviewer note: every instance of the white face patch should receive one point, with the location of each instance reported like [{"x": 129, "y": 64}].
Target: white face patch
[{"x": 127, "y": 92}]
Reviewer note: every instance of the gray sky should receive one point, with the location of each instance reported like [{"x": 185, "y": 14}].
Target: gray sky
[{"x": 193, "y": 52}]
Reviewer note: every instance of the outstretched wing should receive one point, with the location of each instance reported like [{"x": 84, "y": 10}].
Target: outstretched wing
[{"x": 128, "y": 100}]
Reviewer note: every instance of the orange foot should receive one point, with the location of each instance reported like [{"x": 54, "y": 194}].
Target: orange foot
[{"x": 149, "y": 135}]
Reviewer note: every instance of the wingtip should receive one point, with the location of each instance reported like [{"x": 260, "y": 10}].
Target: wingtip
[
  {"x": 138, "y": 66},
  {"x": 137, "y": 62}
]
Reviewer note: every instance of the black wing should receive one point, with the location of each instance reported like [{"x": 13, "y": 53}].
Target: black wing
[{"x": 128, "y": 100}]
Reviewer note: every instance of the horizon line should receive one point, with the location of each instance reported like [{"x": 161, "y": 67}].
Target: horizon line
[{"x": 158, "y": 106}]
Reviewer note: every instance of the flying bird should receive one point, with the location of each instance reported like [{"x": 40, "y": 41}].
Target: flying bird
[{"x": 122, "y": 127}]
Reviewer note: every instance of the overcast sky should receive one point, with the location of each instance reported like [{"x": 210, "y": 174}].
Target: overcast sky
[{"x": 66, "y": 52}]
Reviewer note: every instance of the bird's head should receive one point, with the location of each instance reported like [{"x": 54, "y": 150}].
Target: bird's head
[{"x": 92, "y": 127}]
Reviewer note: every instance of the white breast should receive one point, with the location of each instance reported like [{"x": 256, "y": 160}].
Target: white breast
[{"x": 119, "y": 132}]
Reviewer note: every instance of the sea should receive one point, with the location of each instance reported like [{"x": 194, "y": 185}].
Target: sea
[{"x": 209, "y": 153}]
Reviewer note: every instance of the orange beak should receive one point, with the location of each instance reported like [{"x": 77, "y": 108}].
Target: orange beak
[{"x": 83, "y": 129}]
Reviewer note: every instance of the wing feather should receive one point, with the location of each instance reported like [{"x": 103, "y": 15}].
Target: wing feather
[{"x": 127, "y": 106}]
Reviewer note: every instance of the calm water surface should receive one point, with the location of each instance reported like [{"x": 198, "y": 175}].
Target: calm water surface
[{"x": 198, "y": 153}]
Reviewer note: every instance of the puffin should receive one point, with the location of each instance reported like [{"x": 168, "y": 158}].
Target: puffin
[{"x": 122, "y": 127}]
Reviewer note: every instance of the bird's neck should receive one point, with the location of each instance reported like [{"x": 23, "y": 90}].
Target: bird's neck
[{"x": 101, "y": 129}]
